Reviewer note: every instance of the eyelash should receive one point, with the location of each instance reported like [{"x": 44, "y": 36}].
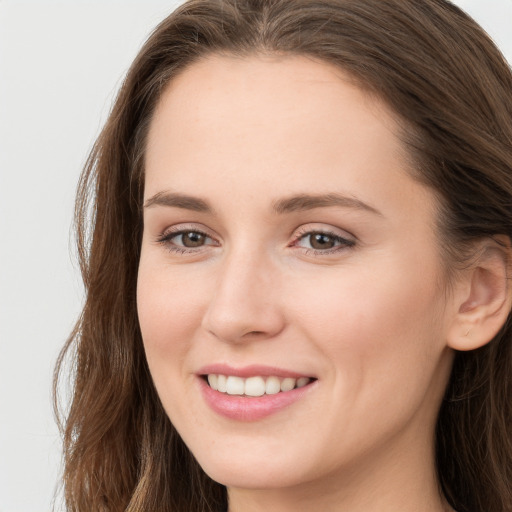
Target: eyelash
[
  {"x": 344, "y": 243},
  {"x": 166, "y": 240}
]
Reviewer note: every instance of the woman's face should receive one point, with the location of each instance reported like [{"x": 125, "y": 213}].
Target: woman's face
[{"x": 285, "y": 244}]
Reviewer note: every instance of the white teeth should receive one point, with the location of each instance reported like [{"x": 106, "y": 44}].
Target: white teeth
[
  {"x": 303, "y": 381},
  {"x": 235, "y": 385},
  {"x": 221, "y": 383},
  {"x": 288, "y": 384},
  {"x": 272, "y": 386},
  {"x": 212, "y": 380},
  {"x": 254, "y": 386}
]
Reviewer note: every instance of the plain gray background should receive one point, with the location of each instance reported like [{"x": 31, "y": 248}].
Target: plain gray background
[{"x": 60, "y": 65}]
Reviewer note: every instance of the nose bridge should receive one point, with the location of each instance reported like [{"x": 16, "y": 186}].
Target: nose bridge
[{"x": 245, "y": 302}]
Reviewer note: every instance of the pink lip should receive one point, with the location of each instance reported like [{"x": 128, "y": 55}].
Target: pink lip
[
  {"x": 242, "y": 408},
  {"x": 249, "y": 371}
]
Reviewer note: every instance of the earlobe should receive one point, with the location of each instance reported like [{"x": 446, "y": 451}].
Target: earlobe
[{"x": 485, "y": 299}]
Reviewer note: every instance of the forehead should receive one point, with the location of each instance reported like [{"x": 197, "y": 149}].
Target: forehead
[
  {"x": 219, "y": 85},
  {"x": 266, "y": 111}
]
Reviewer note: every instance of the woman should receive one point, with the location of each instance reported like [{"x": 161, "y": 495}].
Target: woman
[{"x": 298, "y": 268}]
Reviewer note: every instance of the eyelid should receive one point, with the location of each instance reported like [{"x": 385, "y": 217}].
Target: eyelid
[
  {"x": 325, "y": 229},
  {"x": 187, "y": 227}
]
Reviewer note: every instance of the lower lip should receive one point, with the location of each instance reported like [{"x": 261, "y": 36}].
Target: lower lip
[{"x": 243, "y": 408}]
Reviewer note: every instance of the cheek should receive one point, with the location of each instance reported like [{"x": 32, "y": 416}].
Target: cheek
[
  {"x": 382, "y": 338},
  {"x": 169, "y": 307},
  {"x": 389, "y": 300},
  {"x": 379, "y": 329}
]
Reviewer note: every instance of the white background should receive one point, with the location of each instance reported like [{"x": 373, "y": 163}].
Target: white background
[{"x": 60, "y": 65}]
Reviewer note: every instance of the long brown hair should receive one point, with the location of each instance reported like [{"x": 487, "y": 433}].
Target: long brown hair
[{"x": 452, "y": 90}]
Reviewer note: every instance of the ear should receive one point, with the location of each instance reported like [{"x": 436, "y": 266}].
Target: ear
[{"x": 483, "y": 297}]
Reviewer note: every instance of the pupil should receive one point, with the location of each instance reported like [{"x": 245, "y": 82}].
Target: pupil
[
  {"x": 322, "y": 241},
  {"x": 193, "y": 239}
]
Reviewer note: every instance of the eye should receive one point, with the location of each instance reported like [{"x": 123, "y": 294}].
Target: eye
[
  {"x": 185, "y": 240},
  {"x": 190, "y": 239},
  {"x": 322, "y": 242}
]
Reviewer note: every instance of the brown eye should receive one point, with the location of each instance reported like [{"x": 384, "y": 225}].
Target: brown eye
[
  {"x": 324, "y": 242},
  {"x": 191, "y": 239},
  {"x": 186, "y": 241},
  {"x": 321, "y": 241}
]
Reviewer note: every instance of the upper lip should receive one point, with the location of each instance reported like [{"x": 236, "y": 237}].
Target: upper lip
[{"x": 249, "y": 371}]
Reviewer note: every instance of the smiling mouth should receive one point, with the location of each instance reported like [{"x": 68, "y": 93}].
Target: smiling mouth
[{"x": 254, "y": 386}]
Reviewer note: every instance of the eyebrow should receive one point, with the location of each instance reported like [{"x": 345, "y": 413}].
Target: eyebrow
[
  {"x": 309, "y": 202},
  {"x": 301, "y": 202},
  {"x": 173, "y": 199}
]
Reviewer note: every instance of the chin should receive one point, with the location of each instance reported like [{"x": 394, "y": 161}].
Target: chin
[
  {"x": 247, "y": 476},
  {"x": 256, "y": 467}
]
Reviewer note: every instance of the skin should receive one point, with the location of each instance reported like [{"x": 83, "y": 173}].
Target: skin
[{"x": 371, "y": 320}]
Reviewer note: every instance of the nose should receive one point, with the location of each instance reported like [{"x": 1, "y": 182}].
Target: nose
[{"x": 245, "y": 304}]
